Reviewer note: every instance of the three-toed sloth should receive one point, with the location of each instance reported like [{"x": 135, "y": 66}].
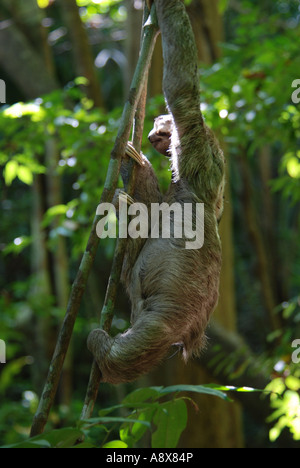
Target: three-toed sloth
[{"x": 173, "y": 290}]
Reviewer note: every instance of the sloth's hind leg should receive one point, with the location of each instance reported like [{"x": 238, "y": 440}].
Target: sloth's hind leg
[{"x": 133, "y": 353}]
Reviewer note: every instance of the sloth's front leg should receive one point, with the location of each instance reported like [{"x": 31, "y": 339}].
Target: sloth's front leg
[{"x": 146, "y": 188}]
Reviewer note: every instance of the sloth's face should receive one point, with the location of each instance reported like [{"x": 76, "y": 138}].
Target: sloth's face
[{"x": 160, "y": 135}]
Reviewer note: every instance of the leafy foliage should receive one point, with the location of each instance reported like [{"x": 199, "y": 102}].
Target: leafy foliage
[
  {"x": 285, "y": 401},
  {"x": 254, "y": 84},
  {"x": 166, "y": 420},
  {"x": 285, "y": 385}
]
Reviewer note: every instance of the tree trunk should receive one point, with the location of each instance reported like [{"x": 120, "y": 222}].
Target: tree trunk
[
  {"x": 132, "y": 46},
  {"x": 40, "y": 294},
  {"x": 156, "y": 71},
  {"x": 59, "y": 257},
  {"x": 257, "y": 239},
  {"x": 268, "y": 221},
  {"x": 208, "y": 28},
  {"x": 23, "y": 64},
  {"x": 28, "y": 17},
  {"x": 83, "y": 57}
]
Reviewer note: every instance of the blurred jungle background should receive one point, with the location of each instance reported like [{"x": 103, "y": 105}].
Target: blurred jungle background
[{"x": 66, "y": 68}]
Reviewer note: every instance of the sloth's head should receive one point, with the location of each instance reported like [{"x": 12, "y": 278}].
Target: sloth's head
[{"x": 160, "y": 135}]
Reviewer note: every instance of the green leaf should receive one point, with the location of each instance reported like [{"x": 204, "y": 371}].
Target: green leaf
[
  {"x": 81, "y": 81},
  {"x": 230, "y": 388},
  {"x": 25, "y": 175},
  {"x": 132, "y": 405},
  {"x": 143, "y": 394},
  {"x": 84, "y": 445},
  {"x": 58, "y": 438},
  {"x": 42, "y": 443},
  {"x": 63, "y": 438},
  {"x": 171, "y": 420},
  {"x": 292, "y": 382},
  {"x": 52, "y": 212},
  {"x": 10, "y": 172},
  {"x": 293, "y": 167},
  {"x": 210, "y": 389},
  {"x": 57, "y": 210},
  {"x": 9, "y": 371},
  {"x": 17, "y": 246},
  {"x": 132, "y": 433},
  {"x": 111, "y": 419},
  {"x": 43, "y": 3},
  {"x": 115, "y": 444}
]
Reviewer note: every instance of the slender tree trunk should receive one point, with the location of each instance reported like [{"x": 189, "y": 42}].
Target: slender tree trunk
[
  {"x": 268, "y": 221},
  {"x": 82, "y": 52},
  {"x": 226, "y": 310},
  {"x": 59, "y": 257},
  {"x": 257, "y": 240},
  {"x": 40, "y": 294},
  {"x": 133, "y": 24},
  {"x": 208, "y": 28},
  {"x": 156, "y": 71}
]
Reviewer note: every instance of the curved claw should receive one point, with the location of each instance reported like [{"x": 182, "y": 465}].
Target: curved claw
[
  {"x": 125, "y": 198},
  {"x": 132, "y": 153}
]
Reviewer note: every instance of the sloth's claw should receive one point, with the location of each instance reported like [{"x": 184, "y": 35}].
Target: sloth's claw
[
  {"x": 125, "y": 198},
  {"x": 132, "y": 153}
]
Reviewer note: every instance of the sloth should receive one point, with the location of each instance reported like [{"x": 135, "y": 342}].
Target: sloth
[{"x": 173, "y": 290}]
